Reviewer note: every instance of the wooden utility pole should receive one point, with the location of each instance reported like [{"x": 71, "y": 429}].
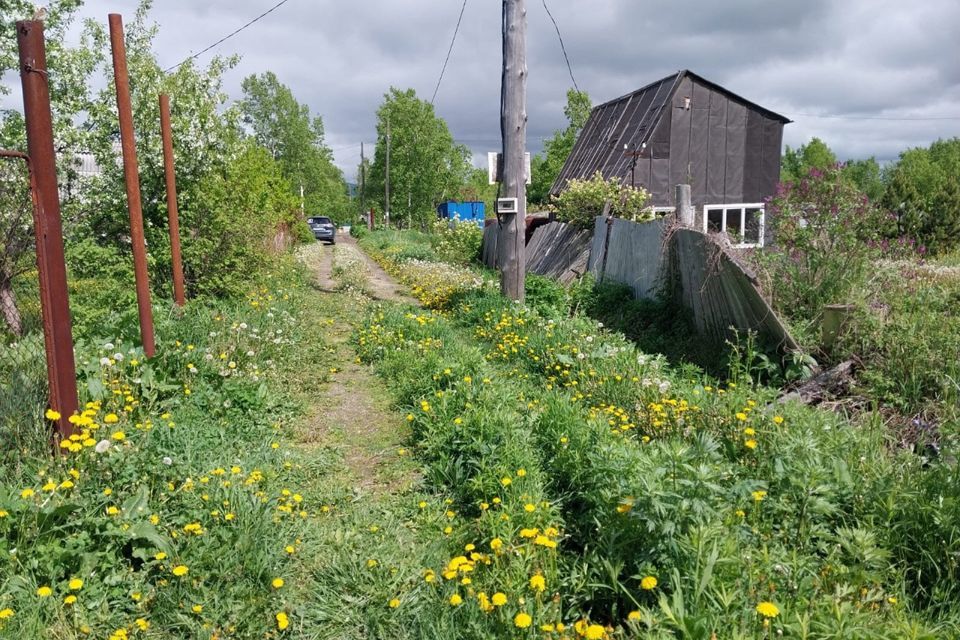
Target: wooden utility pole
[
  {"x": 363, "y": 181},
  {"x": 513, "y": 122},
  {"x": 173, "y": 220},
  {"x": 132, "y": 178},
  {"x": 51, "y": 266},
  {"x": 386, "y": 184}
]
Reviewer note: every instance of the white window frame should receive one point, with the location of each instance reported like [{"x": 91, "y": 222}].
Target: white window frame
[{"x": 742, "y": 209}]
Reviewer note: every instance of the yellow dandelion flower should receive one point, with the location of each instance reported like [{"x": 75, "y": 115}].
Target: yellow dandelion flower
[
  {"x": 499, "y": 599},
  {"x": 142, "y": 624},
  {"x": 750, "y": 444},
  {"x": 456, "y": 600},
  {"x": 6, "y": 614},
  {"x": 633, "y": 616},
  {"x": 277, "y": 583},
  {"x": 180, "y": 570},
  {"x": 759, "y": 495},
  {"x": 648, "y": 583},
  {"x": 394, "y": 603},
  {"x": 75, "y": 585},
  {"x": 522, "y": 620},
  {"x": 538, "y": 582},
  {"x": 50, "y": 414},
  {"x": 70, "y": 599},
  {"x": 595, "y": 632},
  {"x": 282, "y": 621},
  {"x": 768, "y": 609},
  {"x": 44, "y": 592},
  {"x": 197, "y": 608},
  {"x": 778, "y": 419}
]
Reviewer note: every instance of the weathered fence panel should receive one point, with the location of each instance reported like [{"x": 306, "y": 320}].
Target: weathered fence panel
[
  {"x": 720, "y": 293},
  {"x": 559, "y": 250},
  {"x": 634, "y": 255},
  {"x": 489, "y": 250},
  {"x": 598, "y": 247}
]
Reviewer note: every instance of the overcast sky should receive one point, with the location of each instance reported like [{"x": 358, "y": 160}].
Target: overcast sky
[{"x": 866, "y": 61}]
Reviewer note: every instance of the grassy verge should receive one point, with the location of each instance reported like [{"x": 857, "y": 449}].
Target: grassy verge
[{"x": 646, "y": 501}]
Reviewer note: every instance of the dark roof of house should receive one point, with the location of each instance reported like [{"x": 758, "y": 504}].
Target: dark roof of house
[{"x": 628, "y": 122}]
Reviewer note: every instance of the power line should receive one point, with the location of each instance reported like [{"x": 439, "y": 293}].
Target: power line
[
  {"x": 562, "y": 48},
  {"x": 905, "y": 119},
  {"x": 449, "y": 51},
  {"x": 229, "y": 35}
]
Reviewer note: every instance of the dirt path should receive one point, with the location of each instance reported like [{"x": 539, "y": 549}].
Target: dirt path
[
  {"x": 382, "y": 286},
  {"x": 352, "y": 413}
]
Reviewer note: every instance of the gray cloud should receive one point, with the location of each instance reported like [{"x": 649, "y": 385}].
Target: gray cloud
[{"x": 860, "y": 58}]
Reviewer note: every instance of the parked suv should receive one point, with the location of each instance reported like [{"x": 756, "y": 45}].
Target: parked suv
[{"x": 323, "y": 229}]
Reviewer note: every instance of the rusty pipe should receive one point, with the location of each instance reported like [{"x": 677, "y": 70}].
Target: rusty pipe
[
  {"x": 173, "y": 215},
  {"x": 132, "y": 179},
  {"x": 51, "y": 264}
]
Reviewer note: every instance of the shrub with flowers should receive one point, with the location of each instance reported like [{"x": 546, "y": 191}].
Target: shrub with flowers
[{"x": 583, "y": 200}]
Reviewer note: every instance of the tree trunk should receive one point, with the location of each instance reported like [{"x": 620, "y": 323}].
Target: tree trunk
[{"x": 8, "y": 307}]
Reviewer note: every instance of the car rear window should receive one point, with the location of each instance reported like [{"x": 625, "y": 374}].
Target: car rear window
[{"x": 319, "y": 220}]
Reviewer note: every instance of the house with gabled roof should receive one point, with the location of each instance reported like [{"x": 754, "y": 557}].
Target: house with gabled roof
[{"x": 684, "y": 129}]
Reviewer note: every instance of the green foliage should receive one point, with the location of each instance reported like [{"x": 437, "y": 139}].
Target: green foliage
[
  {"x": 426, "y": 165},
  {"x": 186, "y": 468},
  {"x": 797, "y": 163},
  {"x": 924, "y": 195},
  {"x": 826, "y": 236},
  {"x": 284, "y": 127},
  {"x": 583, "y": 200},
  {"x": 238, "y": 223},
  {"x": 867, "y": 176},
  {"x": 546, "y": 167},
  {"x": 651, "y": 471},
  {"x": 549, "y": 298},
  {"x": 457, "y": 242}
]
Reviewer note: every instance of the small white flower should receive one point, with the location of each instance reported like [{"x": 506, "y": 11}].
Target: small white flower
[
  {"x": 105, "y": 362},
  {"x": 599, "y": 325},
  {"x": 243, "y": 326},
  {"x": 108, "y": 346},
  {"x": 589, "y": 338},
  {"x": 167, "y": 460},
  {"x": 102, "y": 446},
  {"x": 664, "y": 386},
  {"x": 249, "y": 354},
  {"x": 118, "y": 356},
  {"x": 213, "y": 334},
  {"x": 209, "y": 356}
]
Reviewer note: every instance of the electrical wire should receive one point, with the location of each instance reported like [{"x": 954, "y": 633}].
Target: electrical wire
[
  {"x": 562, "y": 48},
  {"x": 228, "y": 36},
  {"x": 449, "y": 51},
  {"x": 891, "y": 118}
]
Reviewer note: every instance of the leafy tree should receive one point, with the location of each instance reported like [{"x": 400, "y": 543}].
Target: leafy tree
[
  {"x": 478, "y": 189},
  {"x": 546, "y": 167},
  {"x": 426, "y": 165},
  {"x": 68, "y": 71},
  {"x": 924, "y": 195},
  {"x": 285, "y": 128},
  {"x": 867, "y": 176},
  {"x": 796, "y": 163}
]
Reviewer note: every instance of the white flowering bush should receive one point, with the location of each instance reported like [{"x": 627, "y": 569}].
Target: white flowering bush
[{"x": 583, "y": 200}]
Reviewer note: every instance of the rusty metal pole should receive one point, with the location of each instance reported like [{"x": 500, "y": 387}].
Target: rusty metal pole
[
  {"x": 132, "y": 178},
  {"x": 172, "y": 213},
  {"x": 51, "y": 266}
]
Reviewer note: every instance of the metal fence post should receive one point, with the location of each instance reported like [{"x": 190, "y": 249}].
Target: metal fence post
[
  {"x": 51, "y": 265},
  {"x": 132, "y": 178},
  {"x": 172, "y": 213}
]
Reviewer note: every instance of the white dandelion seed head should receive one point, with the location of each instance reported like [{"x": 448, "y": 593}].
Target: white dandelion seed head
[{"x": 102, "y": 446}]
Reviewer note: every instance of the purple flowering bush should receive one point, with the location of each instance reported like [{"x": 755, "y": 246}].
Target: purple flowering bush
[{"x": 826, "y": 233}]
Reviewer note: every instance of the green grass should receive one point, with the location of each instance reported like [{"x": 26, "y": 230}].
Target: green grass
[{"x": 646, "y": 470}]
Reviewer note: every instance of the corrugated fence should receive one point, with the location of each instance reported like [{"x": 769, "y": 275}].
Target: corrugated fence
[{"x": 699, "y": 270}]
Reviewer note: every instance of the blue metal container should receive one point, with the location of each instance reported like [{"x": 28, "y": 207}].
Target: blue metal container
[{"x": 472, "y": 211}]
